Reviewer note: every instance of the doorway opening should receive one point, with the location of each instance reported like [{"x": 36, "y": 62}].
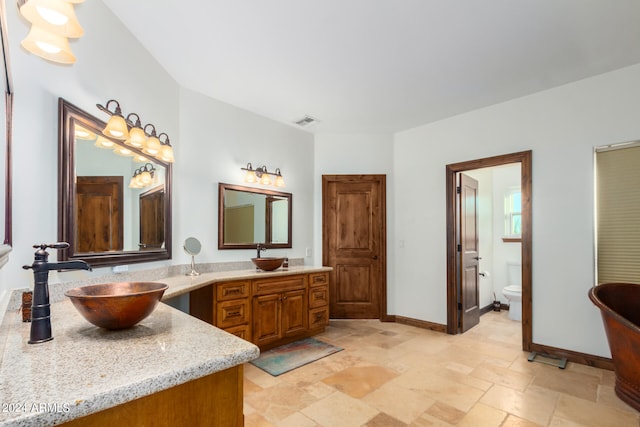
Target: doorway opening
[{"x": 454, "y": 303}]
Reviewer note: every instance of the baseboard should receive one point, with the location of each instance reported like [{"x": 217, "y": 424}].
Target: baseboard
[
  {"x": 574, "y": 356},
  {"x": 488, "y": 308},
  {"x": 423, "y": 324}
]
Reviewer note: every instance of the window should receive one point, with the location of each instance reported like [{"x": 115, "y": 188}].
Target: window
[
  {"x": 513, "y": 213},
  {"x": 617, "y": 196}
]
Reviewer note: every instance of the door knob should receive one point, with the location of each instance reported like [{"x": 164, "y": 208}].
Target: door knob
[{"x": 477, "y": 257}]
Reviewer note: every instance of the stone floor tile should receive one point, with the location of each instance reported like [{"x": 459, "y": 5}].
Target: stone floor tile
[{"x": 340, "y": 410}]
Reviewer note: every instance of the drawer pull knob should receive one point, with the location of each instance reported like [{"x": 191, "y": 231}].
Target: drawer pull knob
[{"x": 233, "y": 313}]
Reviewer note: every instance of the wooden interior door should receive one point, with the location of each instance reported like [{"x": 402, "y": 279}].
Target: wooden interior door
[
  {"x": 152, "y": 219},
  {"x": 354, "y": 244},
  {"x": 469, "y": 299},
  {"x": 99, "y": 216}
]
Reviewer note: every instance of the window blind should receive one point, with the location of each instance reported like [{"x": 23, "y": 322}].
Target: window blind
[{"x": 618, "y": 214}]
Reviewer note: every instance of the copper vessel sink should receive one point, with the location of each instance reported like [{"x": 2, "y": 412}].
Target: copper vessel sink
[
  {"x": 116, "y": 305},
  {"x": 268, "y": 263}
]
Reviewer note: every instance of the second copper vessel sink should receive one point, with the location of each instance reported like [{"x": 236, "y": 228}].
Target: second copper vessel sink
[
  {"x": 116, "y": 305},
  {"x": 268, "y": 263}
]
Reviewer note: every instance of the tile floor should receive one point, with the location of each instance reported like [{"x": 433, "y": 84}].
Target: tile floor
[{"x": 392, "y": 375}]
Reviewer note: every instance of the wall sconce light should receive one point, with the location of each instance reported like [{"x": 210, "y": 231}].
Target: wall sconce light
[
  {"x": 116, "y": 126},
  {"x": 143, "y": 176},
  {"x": 52, "y": 23},
  {"x": 262, "y": 175},
  {"x": 131, "y": 131},
  {"x": 137, "y": 137}
]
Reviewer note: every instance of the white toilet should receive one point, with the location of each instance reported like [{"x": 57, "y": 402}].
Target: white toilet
[{"x": 513, "y": 290}]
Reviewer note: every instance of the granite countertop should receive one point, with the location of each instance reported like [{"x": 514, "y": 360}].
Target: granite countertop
[
  {"x": 85, "y": 369},
  {"x": 179, "y": 285}
]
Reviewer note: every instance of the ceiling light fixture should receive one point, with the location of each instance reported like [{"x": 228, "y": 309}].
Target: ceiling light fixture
[
  {"x": 262, "y": 175},
  {"x": 52, "y": 23}
]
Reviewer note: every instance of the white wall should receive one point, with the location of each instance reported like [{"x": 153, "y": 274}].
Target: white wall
[
  {"x": 561, "y": 126},
  {"x": 218, "y": 139},
  {"x": 212, "y": 140},
  {"x": 111, "y": 64}
]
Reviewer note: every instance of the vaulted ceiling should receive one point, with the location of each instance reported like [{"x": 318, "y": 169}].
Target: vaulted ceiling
[{"x": 380, "y": 66}]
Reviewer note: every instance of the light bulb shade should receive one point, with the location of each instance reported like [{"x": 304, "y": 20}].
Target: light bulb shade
[
  {"x": 54, "y": 16},
  {"x": 279, "y": 181},
  {"x": 102, "y": 142},
  {"x": 153, "y": 146},
  {"x": 116, "y": 128},
  {"x": 166, "y": 154},
  {"x": 145, "y": 177},
  {"x": 83, "y": 134},
  {"x": 48, "y": 46},
  {"x": 134, "y": 182},
  {"x": 123, "y": 151},
  {"x": 265, "y": 179},
  {"x": 250, "y": 177},
  {"x": 140, "y": 159},
  {"x": 137, "y": 138}
]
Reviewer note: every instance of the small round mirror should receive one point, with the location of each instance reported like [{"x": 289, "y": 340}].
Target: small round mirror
[{"x": 192, "y": 246}]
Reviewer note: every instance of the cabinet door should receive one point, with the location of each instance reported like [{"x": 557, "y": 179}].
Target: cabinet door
[
  {"x": 294, "y": 312},
  {"x": 266, "y": 319}
]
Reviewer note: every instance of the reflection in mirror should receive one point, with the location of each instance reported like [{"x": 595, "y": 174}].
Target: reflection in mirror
[
  {"x": 114, "y": 204},
  {"x": 192, "y": 247},
  {"x": 5, "y": 142},
  {"x": 248, "y": 216}
]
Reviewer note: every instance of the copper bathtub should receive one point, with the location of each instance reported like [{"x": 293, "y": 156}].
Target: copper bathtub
[{"x": 619, "y": 304}]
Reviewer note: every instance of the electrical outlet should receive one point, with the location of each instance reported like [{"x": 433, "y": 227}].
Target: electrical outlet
[{"x": 307, "y": 252}]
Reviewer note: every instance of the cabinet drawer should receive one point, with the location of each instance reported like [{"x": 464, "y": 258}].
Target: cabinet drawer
[
  {"x": 232, "y": 313},
  {"x": 318, "y": 279},
  {"x": 241, "y": 331},
  {"x": 232, "y": 290},
  {"x": 318, "y": 296},
  {"x": 280, "y": 284},
  {"x": 318, "y": 317}
]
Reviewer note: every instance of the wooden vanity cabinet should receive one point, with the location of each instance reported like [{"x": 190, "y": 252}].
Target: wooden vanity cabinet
[
  {"x": 279, "y": 309},
  {"x": 268, "y": 311},
  {"x": 226, "y": 305},
  {"x": 318, "y": 301}
]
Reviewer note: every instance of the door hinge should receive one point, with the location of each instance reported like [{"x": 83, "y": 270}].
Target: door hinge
[
  {"x": 458, "y": 190},
  {"x": 459, "y": 306},
  {"x": 459, "y": 248}
]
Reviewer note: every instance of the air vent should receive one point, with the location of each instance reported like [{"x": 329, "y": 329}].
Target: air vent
[{"x": 306, "y": 121}]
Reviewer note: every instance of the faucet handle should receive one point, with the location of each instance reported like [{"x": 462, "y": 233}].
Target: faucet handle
[{"x": 57, "y": 245}]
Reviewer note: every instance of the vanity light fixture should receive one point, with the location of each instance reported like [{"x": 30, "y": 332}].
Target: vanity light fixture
[
  {"x": 166, "y": 150},
  {"x": 116, "y": 126},
  {"x": 84, "y": 134},
  {"x": 143, "y": 176},
  {"x": 52, "y": 23},
  {"x": 103, "y": 142},
  {"x": 137, "y": 137},
  {"x": 131, "y": 131},
  {"x": 152, "y": 147},
  {"x": 263, "y": 176}
]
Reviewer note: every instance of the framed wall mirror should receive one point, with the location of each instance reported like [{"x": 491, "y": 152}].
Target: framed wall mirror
[
  {"x": 105, "y": 219},
  {"x": 248, "y": 216},
  {"x": 5, "y": 142}
]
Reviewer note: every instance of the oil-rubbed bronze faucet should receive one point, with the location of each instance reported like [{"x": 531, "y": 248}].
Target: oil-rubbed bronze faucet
[
  {"x": 40, "y": 308},
  {"x": 260, "y": 248}
]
